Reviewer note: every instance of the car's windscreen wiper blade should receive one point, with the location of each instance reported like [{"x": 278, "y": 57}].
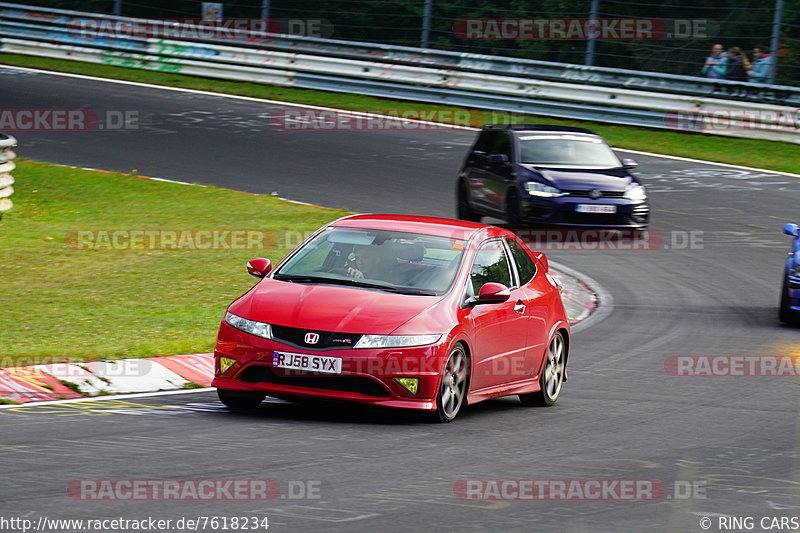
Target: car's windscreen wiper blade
[
  {"x": 302, "y": 278},
  {"x": 305, "y": 277},
  {"x": 414, "y": 290}
]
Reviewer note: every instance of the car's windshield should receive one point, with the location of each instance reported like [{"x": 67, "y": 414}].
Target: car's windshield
[
  {"x": 398, "y": 261},
  {"x": 566, "y": 150}
]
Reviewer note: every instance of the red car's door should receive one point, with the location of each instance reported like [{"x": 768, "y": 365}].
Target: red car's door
[
  {"x": 539, "y": 295},
  {"x": 499, "y": 330}
]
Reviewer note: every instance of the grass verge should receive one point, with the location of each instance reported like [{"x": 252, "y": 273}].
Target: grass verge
[
  {"x": 771, "y": 155},
  {"x": 63, "y": 303}
]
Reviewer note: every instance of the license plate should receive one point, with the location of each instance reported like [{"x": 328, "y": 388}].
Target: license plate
[
  {"x": 593, "y": 208},
  {"x": 309, "y": 363}
]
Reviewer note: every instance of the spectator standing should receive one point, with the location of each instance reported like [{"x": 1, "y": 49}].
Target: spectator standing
[
  {"x": 735, "y": 69},
  {"x": 715, "y": 63},
  {"x": 762, "y": 64}
]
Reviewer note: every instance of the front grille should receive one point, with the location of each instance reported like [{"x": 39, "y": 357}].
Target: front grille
[
  {"x": 357, "y": 384},
  {"x": 585, "y": 194},
  {"x": 327, "y": 339}
]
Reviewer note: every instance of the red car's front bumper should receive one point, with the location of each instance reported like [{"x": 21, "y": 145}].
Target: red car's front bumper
[{"x": 367, "y": 375}]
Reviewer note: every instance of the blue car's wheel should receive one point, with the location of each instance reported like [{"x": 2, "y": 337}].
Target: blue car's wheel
[
  {"x": 465, "y": 210},
  {"x": 513, "y": 210},
  {"x": 785, "y": 313}
]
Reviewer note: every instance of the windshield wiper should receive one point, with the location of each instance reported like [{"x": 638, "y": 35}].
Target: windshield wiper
[
  {"x": 414, "y": 290},
  {"x": 303, "y": 278}
]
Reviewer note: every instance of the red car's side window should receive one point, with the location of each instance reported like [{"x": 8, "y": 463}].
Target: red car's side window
[{"x": 491, "y": 264}]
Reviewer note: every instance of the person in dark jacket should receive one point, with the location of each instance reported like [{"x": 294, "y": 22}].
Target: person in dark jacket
[{"x": 734, "y": 65}]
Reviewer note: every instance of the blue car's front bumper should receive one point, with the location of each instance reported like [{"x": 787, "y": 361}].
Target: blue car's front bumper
[{"x": 564, "y": 211}]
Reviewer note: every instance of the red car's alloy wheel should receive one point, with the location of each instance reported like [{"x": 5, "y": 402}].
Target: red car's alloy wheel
[
  {"x": 552, "y": 376},
  {"x": 453, "y": 389}
]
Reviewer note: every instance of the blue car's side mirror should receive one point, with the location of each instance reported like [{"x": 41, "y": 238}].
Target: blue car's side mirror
[
  {"x": 499, "y": 158},
  {"x": 790, "y": 229}
]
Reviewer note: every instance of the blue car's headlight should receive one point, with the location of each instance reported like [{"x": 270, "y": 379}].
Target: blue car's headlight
[
  {"x": 259, "y": 329},
  {"x": 540, "y": 189},
  {"x": 795, "y": 271},
  {"x": 636, "y": 193}
]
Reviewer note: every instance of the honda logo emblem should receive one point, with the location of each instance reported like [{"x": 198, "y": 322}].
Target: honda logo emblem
[{"x": 312, "y": 338}]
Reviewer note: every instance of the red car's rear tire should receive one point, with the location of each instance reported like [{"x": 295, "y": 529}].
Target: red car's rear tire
[{"x": 552, "y": 377}]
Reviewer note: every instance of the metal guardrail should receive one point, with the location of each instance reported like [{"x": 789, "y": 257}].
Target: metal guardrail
[
  {"x": 6, "y": 166},
  {"x": 425, "y": 57},
  {"x": 486, "y": 82}
]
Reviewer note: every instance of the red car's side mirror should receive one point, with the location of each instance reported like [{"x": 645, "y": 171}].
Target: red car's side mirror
[
  {"x": 542, "y": 258},
  {"x": 259, "y": 267},
  {"x": 491, "y": 293}
]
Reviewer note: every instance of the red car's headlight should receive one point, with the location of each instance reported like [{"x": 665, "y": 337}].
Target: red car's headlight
[
  {"x": 395, "y": 341},
  {"x": 259, "y": 329}
]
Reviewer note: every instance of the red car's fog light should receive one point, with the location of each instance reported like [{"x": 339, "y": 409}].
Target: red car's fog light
[
  {"x": 410, "y": 384},
  {"x": 225, "y": 363}
]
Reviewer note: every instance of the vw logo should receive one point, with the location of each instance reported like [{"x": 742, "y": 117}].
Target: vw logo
[
  {"x": 594, "y": 194},
  {"x": 312, "y": 338}
]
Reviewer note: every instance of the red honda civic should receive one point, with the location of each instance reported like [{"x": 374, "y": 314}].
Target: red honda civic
[{"x": 397, "y": 311}]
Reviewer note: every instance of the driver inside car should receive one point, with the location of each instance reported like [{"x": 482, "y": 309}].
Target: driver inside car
[{"x": 367, "y": 262}]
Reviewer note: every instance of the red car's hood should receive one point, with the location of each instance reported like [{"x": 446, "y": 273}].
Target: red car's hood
[{"x": 330, "y": 307}]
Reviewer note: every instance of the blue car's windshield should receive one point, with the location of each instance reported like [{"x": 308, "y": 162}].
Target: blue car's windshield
[
  {"x": 566, "y": 150},
  {"x": 397, "y": 261}
]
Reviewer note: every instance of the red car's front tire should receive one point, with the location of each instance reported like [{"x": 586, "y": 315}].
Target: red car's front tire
[
  {"x": 454, "y": 385},
  {"x": 240, "y": 400}
]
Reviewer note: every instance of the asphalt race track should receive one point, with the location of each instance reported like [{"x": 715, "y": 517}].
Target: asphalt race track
[{"x": 620, "y": 416}]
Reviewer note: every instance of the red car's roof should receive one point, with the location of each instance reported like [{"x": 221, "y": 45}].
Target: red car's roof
[{"x": 440, "y": 227}]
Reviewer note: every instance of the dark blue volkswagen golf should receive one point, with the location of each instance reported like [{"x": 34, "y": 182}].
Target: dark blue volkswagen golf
[
  {"x": 790, "y": 292},
  {"x": 549, "y": 175}
]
